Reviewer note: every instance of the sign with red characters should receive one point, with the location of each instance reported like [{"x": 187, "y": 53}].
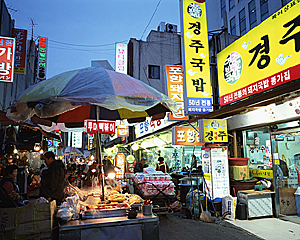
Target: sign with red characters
[
  {"x": 90, "y": 126},
  {"x": 7, "y": 56}
]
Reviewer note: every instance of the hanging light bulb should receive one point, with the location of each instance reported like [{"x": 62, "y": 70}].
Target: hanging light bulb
[
  {"x": 144, "y": 144},
  {"x": 41, "y": 151},
  {"x": 15, "y": 151},
  {"x": 92, "y": 157},
  {"x": 135, "y": 147}
]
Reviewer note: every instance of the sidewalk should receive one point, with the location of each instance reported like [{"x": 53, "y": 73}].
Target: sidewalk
[{"x": 269, "y": 228}]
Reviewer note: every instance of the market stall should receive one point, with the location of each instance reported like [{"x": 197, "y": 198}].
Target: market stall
[{"x": 156, "y": 187}]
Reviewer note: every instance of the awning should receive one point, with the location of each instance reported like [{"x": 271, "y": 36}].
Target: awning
[{"x": 5, "y": 121}]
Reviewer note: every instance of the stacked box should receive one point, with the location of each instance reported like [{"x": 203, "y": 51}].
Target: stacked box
[
  {"x": 239, "y": 172},
  {"x": 27, "y": 221}
]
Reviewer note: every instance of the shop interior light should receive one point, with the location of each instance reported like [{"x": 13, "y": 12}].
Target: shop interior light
[
  {"x": 111, "y": 175},
  {"x": 15, "y": 151},
  {"x": 144, "y": 144},
  {"x": 37, "y": 147},
  {"x": 92, "y": 157},
  {"x": 93, "y": 170},
  {"x": 135, "y": 147},
  {"x": 41, "y": 151}
]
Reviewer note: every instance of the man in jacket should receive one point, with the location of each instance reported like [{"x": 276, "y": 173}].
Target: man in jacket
[
  {"x": 140, "y": 166},
  {"x": 52, "y": 183}
]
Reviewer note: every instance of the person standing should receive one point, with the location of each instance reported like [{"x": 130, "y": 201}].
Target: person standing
[
  {"x": 162, "y": 165},
  {"x": 194, "y": 162},
  {"x": 10, "y": 197},
  {"x": 140, "y": 165},
  {"x": 107, "y": 165},
  {"x": 52, "y": 183}
]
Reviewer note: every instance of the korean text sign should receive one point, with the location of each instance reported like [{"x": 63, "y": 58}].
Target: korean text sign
[
  {"x": 195, "y": 49},
  {"x": 185, "y": 136},
  {"x": 264, "y": 58},
  {"x": 90, "y": 126},
  {"x": 20, "y": 36},
  {"x": 7, "y": 56},
  {"x": 42, "y": 58},
  {"x": 213, "y": 130},
  {"x": 121, "y": 58},
  {"x": 120, "y": 162},
  {"x": 174, "y": 78},
  {"x": 122, "y": 131}
]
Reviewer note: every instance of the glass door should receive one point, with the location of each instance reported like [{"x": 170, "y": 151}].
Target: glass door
[{"x": 286, "y": 168}]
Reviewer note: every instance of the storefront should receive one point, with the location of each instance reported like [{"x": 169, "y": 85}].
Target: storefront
[{"x": 271, "y": 142}]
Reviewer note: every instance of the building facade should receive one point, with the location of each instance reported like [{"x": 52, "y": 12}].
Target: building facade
[
  {"x": 240, "y": 16},
  {"x": 10, "y": 91},
  {"x": 147, "y": 59}
]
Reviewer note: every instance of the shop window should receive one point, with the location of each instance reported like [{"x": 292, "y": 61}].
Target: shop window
[
  {"x": 154, "y": 72},
  {"x": 284, "y": 2},
  {"x": 231, "y": 4},
  {"x": 264, "y": 9},
  {"x": 232, "y": 26},
  {"x": 223, "y": 7},
  {"x": 242, "y": 21},
  {"x": 252, "y": 14}
]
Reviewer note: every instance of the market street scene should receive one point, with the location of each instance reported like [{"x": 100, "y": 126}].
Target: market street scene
[{"x": 149, "y": 120}]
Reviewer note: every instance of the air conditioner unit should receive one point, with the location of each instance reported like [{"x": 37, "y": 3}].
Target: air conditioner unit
[{"x": 172, "y": 28}]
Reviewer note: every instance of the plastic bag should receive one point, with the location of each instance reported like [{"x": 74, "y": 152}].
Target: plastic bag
[{"x": 229, "y": 207}]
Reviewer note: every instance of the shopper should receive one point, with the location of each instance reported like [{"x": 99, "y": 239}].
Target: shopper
[
  {"x": 194, "y": 162},
  {"x": 10, "y": 194},
  {"x": 140, "y": 165},
  {"x": 52, "y": 183},
  {"x": 107, "y": 165},
  {"x": 162, "y": 165}
]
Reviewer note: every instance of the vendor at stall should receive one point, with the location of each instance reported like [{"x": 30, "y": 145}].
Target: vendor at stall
[
  {"x": 162, "y": 165},
  {"x": 52, "y": 182},
  {"x": 10, "y": 194},
  {"x": 140, "y": 165}
]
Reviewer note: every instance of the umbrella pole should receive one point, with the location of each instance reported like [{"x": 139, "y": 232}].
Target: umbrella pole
[{"x": 98, "y": 151}]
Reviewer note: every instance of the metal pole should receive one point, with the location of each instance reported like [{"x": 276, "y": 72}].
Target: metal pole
[
  {"x": 98, "y": 150},
  {"x": 234, "y": 145}
]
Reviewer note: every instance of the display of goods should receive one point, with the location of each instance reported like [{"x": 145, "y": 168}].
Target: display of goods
[
  {"x": 134, "y": 198},
  {"x": 108, "y": 206},
  {"x": 156, "y": 187},
  {"x": 149, "y": 170},
  {"x": 115, "y": 196}
]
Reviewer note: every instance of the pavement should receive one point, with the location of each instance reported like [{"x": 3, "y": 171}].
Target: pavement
[{"x": 177, "y": 227}]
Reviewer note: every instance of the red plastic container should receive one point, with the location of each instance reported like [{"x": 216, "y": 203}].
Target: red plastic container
[{"x": 238, "y": 161}]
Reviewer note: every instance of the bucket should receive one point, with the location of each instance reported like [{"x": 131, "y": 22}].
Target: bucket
[
  {"x": 147, "y": 210},
  {"x": 241, "y": 211},
  {"x": 297, "y": 200}
]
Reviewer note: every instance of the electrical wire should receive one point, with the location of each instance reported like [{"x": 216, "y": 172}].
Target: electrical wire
[{"x": 151, "y": 18}]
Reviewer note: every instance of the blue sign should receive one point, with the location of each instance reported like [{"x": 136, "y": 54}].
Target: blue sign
[{"x": 199, "y": 105}]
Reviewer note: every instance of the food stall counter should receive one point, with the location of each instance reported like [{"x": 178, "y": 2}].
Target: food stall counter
[{"x": 140, "y": 228}]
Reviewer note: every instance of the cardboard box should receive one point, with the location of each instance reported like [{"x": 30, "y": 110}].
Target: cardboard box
[
  {"x": 239, "y": 172},
  {"x": 32, "y": 228},
  {"x": 7, "y": 219}
]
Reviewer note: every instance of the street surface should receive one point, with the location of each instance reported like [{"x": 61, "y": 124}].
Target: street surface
[{"x": 172, "y": 227}]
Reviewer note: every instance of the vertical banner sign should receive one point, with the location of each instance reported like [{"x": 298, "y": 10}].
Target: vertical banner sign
[
  {"x": 264, "y": 58},
  {"x": 174, "y": 78},
  {"x": 121, "y": 58},
  {"x": 42, "y": 58},
  {"x": 197, "y": 85},
  {"x": 20, "y": 36},
  {"x": 130, "y": 163},
  {"x": 185, "y": 136},
  {"x": 7, "y": 56},
  {"x": 213, "y": 130},
  {"x": 120, "y": 162},
  {"x": 90, "y": 141}
]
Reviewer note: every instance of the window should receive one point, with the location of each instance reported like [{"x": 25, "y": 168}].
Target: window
[
  {"x": 154, "y": 72},
  {"x": 232, "y": 26},
  {"x": 223, "y": 7},
  {"x": 284, "y": 2},
  {"x": 252, "y": 14},
  {"x": 264, "y": 9},
  {"x": 242, "y": 20},
  {"x": 231, "y": 4}
]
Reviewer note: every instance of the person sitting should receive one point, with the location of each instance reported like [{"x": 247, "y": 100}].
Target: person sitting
[
  {"x": 10, "y": 194},
  {"x": 162, "y": 165},
  {"x": 140, "y": 166}
]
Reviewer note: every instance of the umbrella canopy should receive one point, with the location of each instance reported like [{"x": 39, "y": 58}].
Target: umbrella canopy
[
  {"x": 72, "y": 150},
  {"x": 72, "y": 96}
]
